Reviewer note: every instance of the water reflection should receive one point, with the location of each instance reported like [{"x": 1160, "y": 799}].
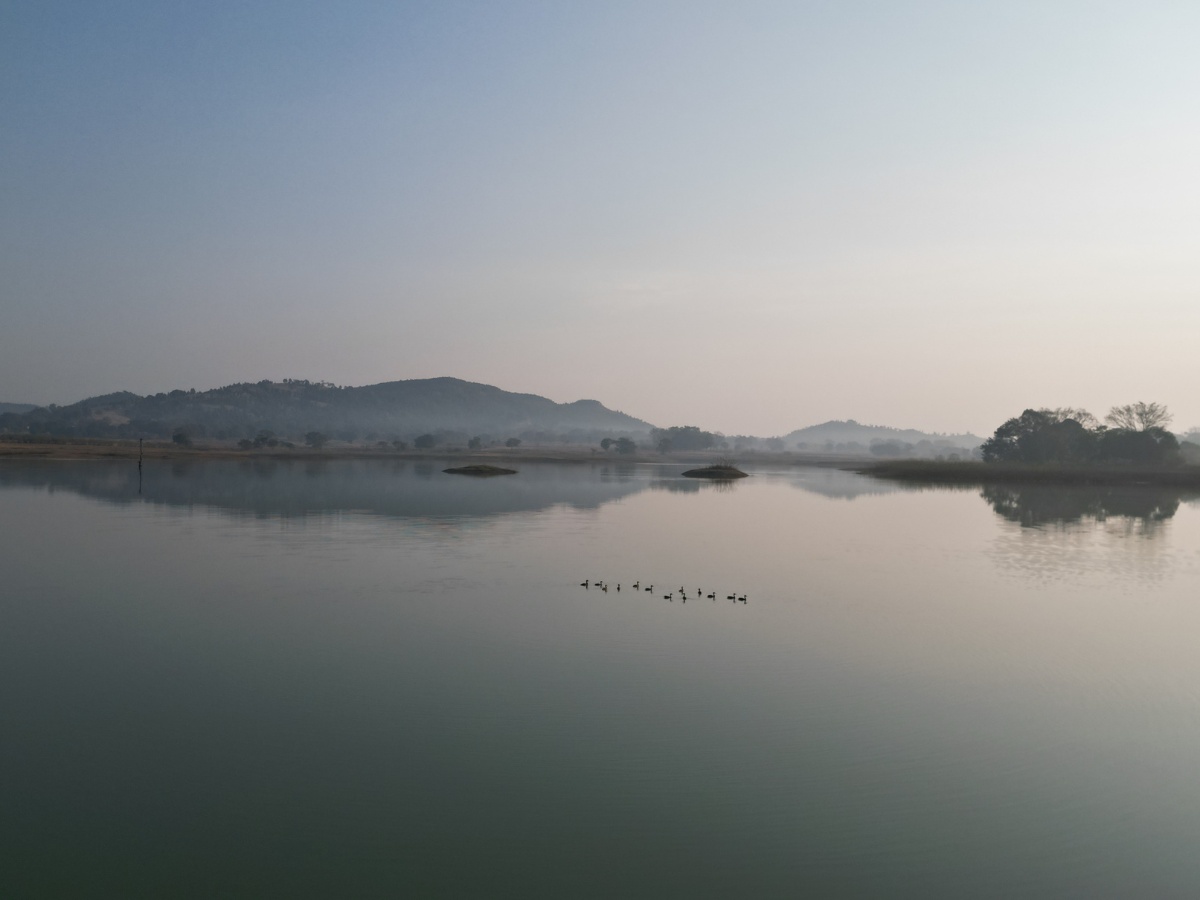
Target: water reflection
[
  {"x": 1087, "y": 535},
  {"x": 201, "y": 700},
  {"x": 681, "y": 485},
  {"x": 1145, "y": 507},
  {"x": 265, "y": 487},
  {"x": 839, "y": 484}
]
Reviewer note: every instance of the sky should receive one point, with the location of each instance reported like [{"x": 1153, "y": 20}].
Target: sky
[{"x": 749, "y": 216}]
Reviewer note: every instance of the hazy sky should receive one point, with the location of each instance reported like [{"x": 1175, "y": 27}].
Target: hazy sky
[{"x": 745, "y": 216}]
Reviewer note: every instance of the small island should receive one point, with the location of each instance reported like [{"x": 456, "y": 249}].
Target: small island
[
  {"x": 717, "y": 473},
  {"x": 480, "y": 470}
]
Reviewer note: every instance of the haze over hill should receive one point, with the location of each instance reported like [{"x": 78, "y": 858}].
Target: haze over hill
[
  {"x": 451, "y": 411},
  {"x": 393, "y": 410},
  {"x": 850, "y": 436}
]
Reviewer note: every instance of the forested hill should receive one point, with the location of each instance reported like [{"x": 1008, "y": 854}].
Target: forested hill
[
  {"x": 396, "y": 410},
  {"x": 851, "y": 434}
]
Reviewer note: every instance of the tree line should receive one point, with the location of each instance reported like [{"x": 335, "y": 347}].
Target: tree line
[{"x": 1133, "y": 433}]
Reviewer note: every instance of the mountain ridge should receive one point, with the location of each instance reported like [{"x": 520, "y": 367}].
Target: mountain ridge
[{"x": 394, "y": 410}]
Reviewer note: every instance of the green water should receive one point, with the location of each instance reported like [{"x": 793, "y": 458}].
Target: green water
[{"x": 372, "y": 679}]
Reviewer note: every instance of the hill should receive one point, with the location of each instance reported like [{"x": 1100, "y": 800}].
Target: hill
[
  {"x": 17, "y": 407},
  {"x": 879, "y": 440},
  {"x": 396, "y": 410}
]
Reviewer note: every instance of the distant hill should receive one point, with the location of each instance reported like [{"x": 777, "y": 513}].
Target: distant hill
[
  {"x": 853, "y": 438},
  {"x": 16, "y": 407},
  {"x": 396, "y": 410}
]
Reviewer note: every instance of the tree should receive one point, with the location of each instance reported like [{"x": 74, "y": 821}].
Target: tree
[
  {"x": 891, "y": 447},
  {"x": 1062, "y": 436},
  {"x": 1082, "y": 416},
  {"x": 425, "y": 442},
  {"x": 315, "y": 439},
  {"x": 626, "y": 445},
  {"x": 475, "y": 443},
  {"x": 1040, "y": 436},
  {"x": 513, "y": 442},
  {"x": 1149, "y": 446},
  {"x": 606, "y": 443},
  {"x": 682, "y": 437},
  {"x": 182, "y": 438},
  {"x": 1139, "y": 416}
]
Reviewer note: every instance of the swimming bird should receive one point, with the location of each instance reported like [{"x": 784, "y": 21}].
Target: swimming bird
[
  {"x": 636, "y": 585},
  {"x": 651, "y": 588},
  {"x": 584, "y": 583},
  {"x": 712, "y": 596},
  {"x": 618, "y": 587}
]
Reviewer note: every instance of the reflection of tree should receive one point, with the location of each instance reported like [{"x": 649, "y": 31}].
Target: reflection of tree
[
  {"x": 692, "y": 485},
  {"x": 1033, "y": 505}
]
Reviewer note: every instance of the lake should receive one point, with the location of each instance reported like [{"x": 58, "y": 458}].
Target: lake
[{"x": 368, "y": 678}]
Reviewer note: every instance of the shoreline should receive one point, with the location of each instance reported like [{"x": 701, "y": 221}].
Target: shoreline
[
  {"x": 968, "y": 473},
  {"x": 104, "y": 448},
  {"x": 80, "y": 450}
]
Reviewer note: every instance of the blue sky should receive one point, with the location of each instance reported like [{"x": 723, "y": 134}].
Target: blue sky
[{"x": 749, "y": 217}]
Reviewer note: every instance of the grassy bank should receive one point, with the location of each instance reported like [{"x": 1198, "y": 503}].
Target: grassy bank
[{"x": 920, "y": 471}]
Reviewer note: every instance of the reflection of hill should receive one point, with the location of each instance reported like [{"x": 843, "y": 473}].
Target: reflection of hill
[
  {"x": 285, "y": 488},
  {"x": 839, "y": 484},
  {"x": 1033, "y": 505}
]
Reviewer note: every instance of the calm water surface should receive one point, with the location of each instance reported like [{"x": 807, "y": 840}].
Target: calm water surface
[{"x": 373, "y": 679}]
